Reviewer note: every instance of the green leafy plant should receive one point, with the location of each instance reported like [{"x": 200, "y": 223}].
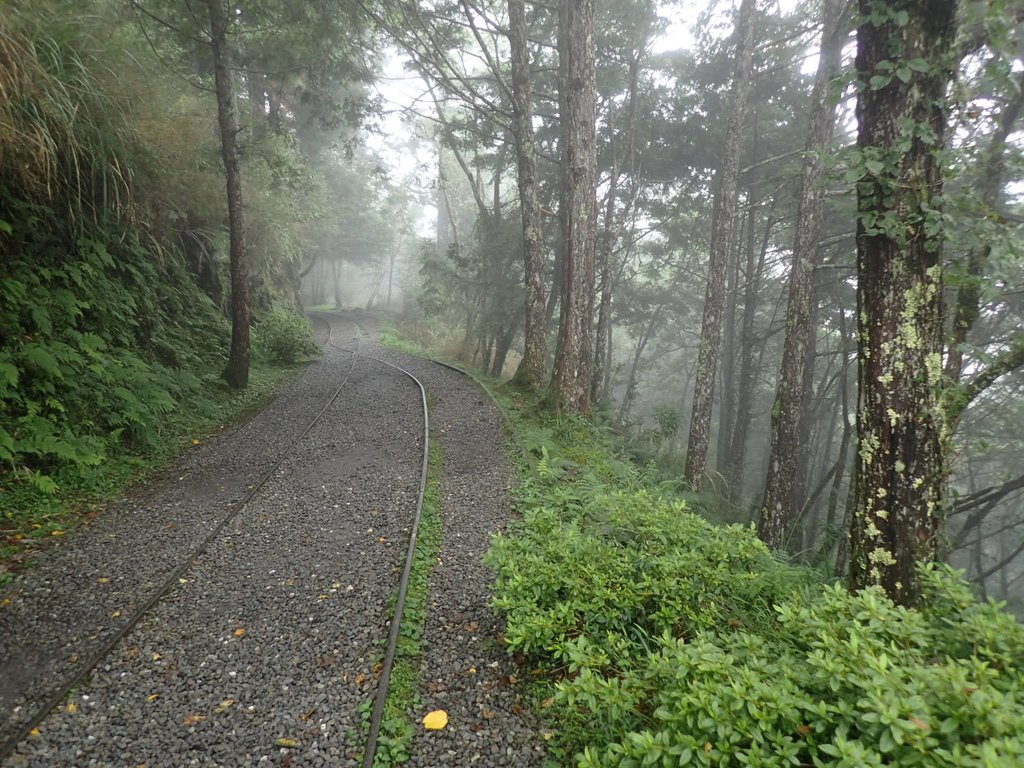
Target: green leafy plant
[
  {"x": 284, "y": 336},
  {"x": 671, "y": 641}
]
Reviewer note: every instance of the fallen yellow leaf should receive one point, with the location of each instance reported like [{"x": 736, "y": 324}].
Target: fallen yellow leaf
[
  {"x": 286, "y": 743},
  {"x": 34, "y": 732},
  {"x": 324, "y": 597},
  {"x": 224, "y": 705},
  {"x": 360, "y": 678},
  {"x": 548, "y": 735},
  {"x": 56, "y": 533},
  {"x": 103, "y": 580},
  {"x": 5, "y": 602},
  {"x": 72, "y": 707},
  {"x": 197, "y": 442},
  {"x": 547, "y": 702},
  {"x": 153, "y": 697},
  {"x": 239, "y": 632},
  {"x": 183, "y": 581},
  {"x": 115, "y": 614},
  {"x": 156, "y": 657},
  {"x": 193, "y": 719},
  {"x": 436, "y": 720}
]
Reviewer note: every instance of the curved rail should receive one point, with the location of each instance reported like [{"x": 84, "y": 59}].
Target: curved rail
[{"x": 93, "y": 660}]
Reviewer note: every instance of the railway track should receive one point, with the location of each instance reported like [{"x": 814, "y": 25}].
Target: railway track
[{"x": 193, "y": 560}]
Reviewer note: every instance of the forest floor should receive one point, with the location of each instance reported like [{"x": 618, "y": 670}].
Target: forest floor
[{"x": 234, "y": 611}]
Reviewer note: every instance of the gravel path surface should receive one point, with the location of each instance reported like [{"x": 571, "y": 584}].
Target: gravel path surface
[
  {"x": 466, "y": 670},
  {"x": 264, "y": 651},
  {"x": 88, "y": 585}
]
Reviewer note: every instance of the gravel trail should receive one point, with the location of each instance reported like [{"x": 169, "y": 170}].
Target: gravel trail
[
  {"x": 466, "y": 670},
  {"x": 86, "y": 586},
  {"x": 264, "y": 652}
]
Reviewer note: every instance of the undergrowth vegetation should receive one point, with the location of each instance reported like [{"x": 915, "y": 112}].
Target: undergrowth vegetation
[
  {"x": 674, "y": 641},
  {"x": 112, "y": 330}
]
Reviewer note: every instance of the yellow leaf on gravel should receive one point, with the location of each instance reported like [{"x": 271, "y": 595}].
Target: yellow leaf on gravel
[
  {"x": 34, "y": 732},
  {"x": 115, "y": 614},
  {"x": 436, "y": 720},
  {"x": 193, "y": 719},
  {"x": 153, "y": 697},
  {"x": 156, "y": 657},
  {"x": 56, "y": 533},
  {"x": 197, "y": 442},
  {"x": 286, "y": 743},
  {"x": 103, "y": 580},
  {"x": 239, "y": 632},
  {"x": 5, "y": 602},
  {"x": 72, "y": 707}
]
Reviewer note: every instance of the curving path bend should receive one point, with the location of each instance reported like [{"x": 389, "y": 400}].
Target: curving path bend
[{"x": 264, "y": 650}]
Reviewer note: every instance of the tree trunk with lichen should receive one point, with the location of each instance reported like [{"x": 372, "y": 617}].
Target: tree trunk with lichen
[
  {"x": 570, "y": 383},
  {"x": 904, "y": 65},
  {"x": 531, "y": 368},
  {"x": 721, "y": 226}
]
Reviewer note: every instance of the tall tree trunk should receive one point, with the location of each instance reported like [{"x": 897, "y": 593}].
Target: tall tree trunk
[
  {"x": 778, "y": 505},
  {"x": 531, "y": 367},
  {"x": 571, "y": 381},
  {"x": 749, "y": 365},
  {"x": 721, "y": 226},
  {"x": 237, "y": 372},
  {"x": 604, "y": 308},
  {"x": 901, "y": 430},
  {"x": 727, "y": 406}
]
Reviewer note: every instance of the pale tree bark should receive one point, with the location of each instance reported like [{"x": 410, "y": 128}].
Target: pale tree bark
[
  {"x": 779, "y": 503},
  {"x": 574, "y": 360},
  {"x": 902, "y": 439},
  {"x": 721, "y": 226},
  {"x": 237, "y": 371},
  {"x": 531, "y": 367}
]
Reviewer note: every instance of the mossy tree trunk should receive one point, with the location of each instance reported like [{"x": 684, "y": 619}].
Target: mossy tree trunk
[
  {"x": 778, "y": 505},
  {"x": 721, "y": 226},
  {"x": 904, "y": 66},
  {"x": 531, "y": 367},
  {"x": 574, "y": 359},
  {"x": 237, "y": 371}
]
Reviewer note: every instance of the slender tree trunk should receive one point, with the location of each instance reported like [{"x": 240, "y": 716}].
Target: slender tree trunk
[
  {"x": 749, "y": 367},
  {"x": 901, "y": 429},
  {"x": 778, "y": 508},
  {"x": 727, "y": 408},
  {"x": 641, "y": 343},
  {"x": 237, "y": 372},
  {"x": 607, "y": 245},
  {"x": 721, "y": 225},
  {"x": 574, "y": 361},
  {"x": 531, "y": 367}
]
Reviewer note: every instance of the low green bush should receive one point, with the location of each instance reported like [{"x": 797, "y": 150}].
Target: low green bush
[
  {"x": 671, "y": 641},
  {"x": 284, "y": 336}
]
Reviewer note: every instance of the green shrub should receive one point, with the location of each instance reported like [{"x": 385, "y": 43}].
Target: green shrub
[
  {"x": 284, "y": 336},
  {"x": 675, "y": 642}
]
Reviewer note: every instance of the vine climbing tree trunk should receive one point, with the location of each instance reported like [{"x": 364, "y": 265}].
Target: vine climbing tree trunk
[
  {"x": 904, "y": 66},
  {"x": 574, "y": 359},
  {"x": 721, "y": 226},
  {"x": 531, "y": 367},
  {"x": 778, "y": 505},
  {"x": 237, "y": 371}
]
